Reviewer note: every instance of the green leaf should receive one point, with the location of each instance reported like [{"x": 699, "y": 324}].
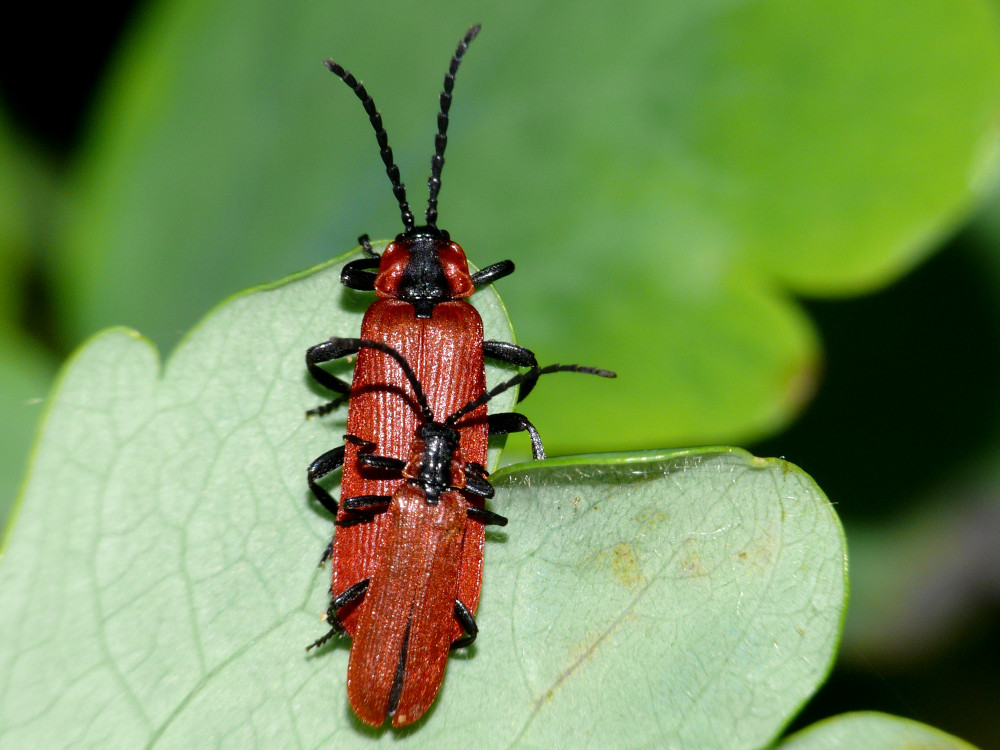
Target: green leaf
[
  {"x": 29, "y": 197},
  {"x": 665, "y": 179},
  {"x": 872, "y": 731},
  {"x": 160, "y": 583},
  {"x": 667, "y": 598}
]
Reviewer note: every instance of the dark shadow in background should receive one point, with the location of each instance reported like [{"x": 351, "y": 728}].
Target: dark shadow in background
[
  {"x": 910, "y": 397},
  {"x": 51, "y": 59},
  {"x": 911, "y": 388}
]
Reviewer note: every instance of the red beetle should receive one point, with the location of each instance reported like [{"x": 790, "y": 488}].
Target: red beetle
[
  {"x": 412, "y": 599},
  {"x": 422, "y": 283}
]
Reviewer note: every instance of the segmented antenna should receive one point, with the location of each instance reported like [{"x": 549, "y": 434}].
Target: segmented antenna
[
  {"x": 534, "y": 372},
  {"x": 398, "y": 189},
  {"x": 418, "y": 391},
  {"x": 441, "y": 140}
]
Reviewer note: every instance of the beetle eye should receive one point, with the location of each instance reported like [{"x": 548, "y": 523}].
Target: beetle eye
[
  {"x": 456, "y": 270},
  {"x": 391, "y": 268}
]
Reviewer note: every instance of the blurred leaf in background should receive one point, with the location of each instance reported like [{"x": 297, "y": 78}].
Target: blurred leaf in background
[
  {"x": 666, "y": 180},
  {"x": 26, "y": 368},
  {"x": 872, "y": 731},
  {"x": 905, "y": 434}
]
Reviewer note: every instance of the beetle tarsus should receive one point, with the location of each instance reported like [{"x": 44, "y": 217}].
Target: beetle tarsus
[
  {"x": 509, "y": 422},
  {"x": 325, "y": 464},
  {"x": 468, "y": 623}
]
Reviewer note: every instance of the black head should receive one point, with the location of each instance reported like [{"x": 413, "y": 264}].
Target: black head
[{"x": 440, "y": 140}]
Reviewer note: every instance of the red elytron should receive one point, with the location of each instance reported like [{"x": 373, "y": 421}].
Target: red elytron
[
  {"x": 412, "y": 600},
  {"x": 421, "y": 284}
]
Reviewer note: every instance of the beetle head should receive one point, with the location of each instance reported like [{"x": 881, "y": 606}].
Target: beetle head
[{"x": 424, "y": 267}]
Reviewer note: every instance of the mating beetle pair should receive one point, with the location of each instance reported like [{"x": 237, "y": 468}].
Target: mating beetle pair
[
  {"x": 403, "y": 634},
  {"x": 407, "y": 555}
]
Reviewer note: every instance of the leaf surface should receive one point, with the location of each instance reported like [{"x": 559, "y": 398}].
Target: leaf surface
[{"x": 159, "y": 585}]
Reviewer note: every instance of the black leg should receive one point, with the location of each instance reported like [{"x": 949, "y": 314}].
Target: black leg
[
  {"x": 326, "y": 553},
  {"x": 363, "y": 445},
  {"x": 366, "y": 245},
  {"x": 371, "y": 461},
  {"x": 477, "y": 485},
  {"x": 325, "y": 464},
  {"x": 475, "y": 472},
  {"x": 326, "y": 352},
  {"x": 324, "y": 409},
  {"x": 484, "y": 516},
  {"x": 356, "y": 274},
  {"x": 464, "y": 617},
  {"x": 513, "y": 354},
  {"x": 506, "y": 423},
  {"x": 368, "y": 459},
  {"x": 336, "y": 626},
  {"x": 492, "y": 273},
  {"x": 365, "y": 502}
]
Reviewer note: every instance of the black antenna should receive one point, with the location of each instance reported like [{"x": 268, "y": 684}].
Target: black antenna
[
  {"x": 441, "y": 140},
  {"x": 418, "y": 391},
  {"x": 534, "y": 372},
  {"x": 398, "y": 189}
]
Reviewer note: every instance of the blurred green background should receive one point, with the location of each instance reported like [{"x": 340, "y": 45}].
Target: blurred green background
[{"x": 777, "y": 220}]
